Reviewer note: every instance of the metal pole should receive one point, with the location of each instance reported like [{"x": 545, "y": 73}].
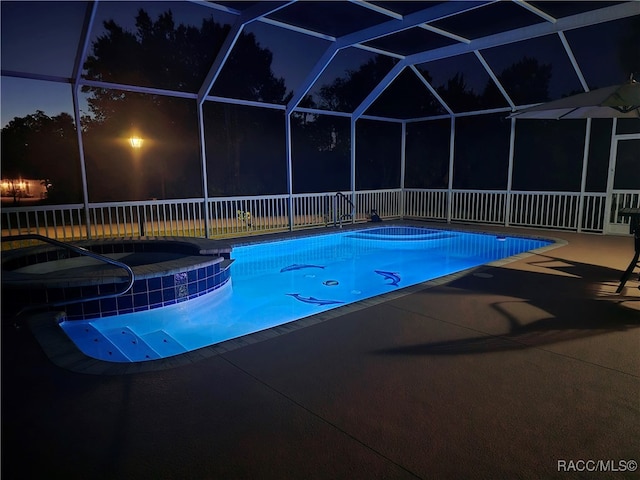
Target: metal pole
[
  {"x": 203, "y": 169},
  {"x": 403, "y": 152},
  {"x": 512, "y": 142},
  {"x": 452, "y": 139},
  {"x": 583, "y": 180},
  {"x": 287, "y": 132}
]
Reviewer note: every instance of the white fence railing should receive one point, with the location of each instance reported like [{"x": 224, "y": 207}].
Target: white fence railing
[
  {"x": 593, "y": 212},
  {"x": 623, "y": 199},
  {"x": 478, "y": 206},
  {"x": 425, "y": 203},
  {"x": 234, "y": 216},
  {"x": 60, "y": 222},
  {"x": 388, "y": 204},
  {"x": 545, "y": 209},
  {"x": 180, "y": 218}
]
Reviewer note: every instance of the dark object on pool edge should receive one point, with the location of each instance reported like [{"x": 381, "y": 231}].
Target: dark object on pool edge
[
  {"x": 374, "y": 216},
  {"x": 330, "y": 283},
  {"x": 393, "y": 276},
  {"x": 297, "y": 266},
  {"x": 314, "y": 300}
]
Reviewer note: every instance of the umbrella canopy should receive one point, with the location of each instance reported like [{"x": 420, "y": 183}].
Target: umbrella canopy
[{"x": 617, "y": 101}]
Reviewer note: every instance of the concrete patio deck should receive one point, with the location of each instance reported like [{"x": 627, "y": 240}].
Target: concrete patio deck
[{"x": 505, "y": 372}]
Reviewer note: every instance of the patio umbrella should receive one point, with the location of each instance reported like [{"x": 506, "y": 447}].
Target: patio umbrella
[{"x": 617, "y": 101}]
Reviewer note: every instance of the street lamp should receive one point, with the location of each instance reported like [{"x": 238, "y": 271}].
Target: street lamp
[{"x": 136, "y": 142}]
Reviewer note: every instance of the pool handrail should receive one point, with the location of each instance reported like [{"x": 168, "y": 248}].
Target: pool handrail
[
  {"x": 80, "y": 251},
  {"x": 344, "y": 215}
]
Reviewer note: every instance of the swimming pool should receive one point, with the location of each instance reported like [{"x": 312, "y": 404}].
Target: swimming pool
[{"x": 281, "y": 281}]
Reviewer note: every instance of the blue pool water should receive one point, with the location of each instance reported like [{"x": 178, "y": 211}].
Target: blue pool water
[{"x": 277, "y": 282}]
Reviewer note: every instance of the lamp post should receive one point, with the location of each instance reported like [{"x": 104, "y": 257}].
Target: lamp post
[{"x": 135, "y": 141}]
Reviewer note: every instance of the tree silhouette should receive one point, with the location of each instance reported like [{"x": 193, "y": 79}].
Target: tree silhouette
[
  {"x": 628, "y": 51},
  {"x": 525, "y": 82},
  {"x": 458, "y": 96},
  {"x": 41, "y": 147},
  {"x": 163, "y": 55},
  {"x": 344, "y": 94}
]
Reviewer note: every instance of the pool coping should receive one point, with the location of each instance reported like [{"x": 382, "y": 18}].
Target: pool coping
[{"x": 61, "y": 350}]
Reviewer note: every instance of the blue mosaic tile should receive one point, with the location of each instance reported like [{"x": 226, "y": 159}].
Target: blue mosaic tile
[
  {"x": 140, "y": 299},
  {"x": 55, "y": 294},
  {"x": 108, "y": 288},
  {"x": 154, "y": 283},
  {"x": 168, "y": 281},
  {"x": 170, "y": 302},
  {"x": 89, "y": 291},
  {"x": 139, "y": 286},
  {"x": 74, "y": 310},
  {"x": 168, "y": 294},
  {"x": 91, "y": 308},
  {"x": 192, "y": 275},
  {"x": 125, "y": 302},
  {"x": 124, "y": 311},
  {"x": 73, "y": 293},
  {"x": 108, "y": 304},
  {"x": 182, "y": 291},
  {"x": 209, "y": 269},
  {"x": 155, "y": 297}
]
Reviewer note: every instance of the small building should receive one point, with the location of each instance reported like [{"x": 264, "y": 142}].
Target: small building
[{"x": 23, "y": 188}]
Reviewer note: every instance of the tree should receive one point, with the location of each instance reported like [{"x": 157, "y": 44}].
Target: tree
[
  {"x": 41, "y": 147},
  {"x": 458, "y": 96},
  {"x": 628, "y": 51},
  {"x": 346, "y": 93},
  {"x": 163, "y": 55},
  {"x": 525, "y": 82}
]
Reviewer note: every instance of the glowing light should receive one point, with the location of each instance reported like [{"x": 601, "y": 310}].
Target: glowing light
[{"x": 136, "y": 142}]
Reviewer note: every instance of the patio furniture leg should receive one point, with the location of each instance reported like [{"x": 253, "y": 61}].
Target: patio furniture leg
[{"x": 628, "y": 272}]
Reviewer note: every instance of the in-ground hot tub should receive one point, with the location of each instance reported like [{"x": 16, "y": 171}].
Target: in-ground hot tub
[{"x": 166, "y": 271}]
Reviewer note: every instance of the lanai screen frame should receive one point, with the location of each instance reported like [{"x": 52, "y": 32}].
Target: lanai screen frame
[{"x": 396, "y": 23}]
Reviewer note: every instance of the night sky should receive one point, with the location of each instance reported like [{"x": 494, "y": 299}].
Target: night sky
[{"x": 42, "y": 37}]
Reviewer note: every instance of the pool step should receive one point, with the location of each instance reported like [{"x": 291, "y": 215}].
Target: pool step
[
  {"x": 122, "y": 344},
  {"x": 163, "y": 343},
  {"x": 134, "y": 347},
  {"x": 152, "y": 346},
  {"x": 93, "y": 343}
]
